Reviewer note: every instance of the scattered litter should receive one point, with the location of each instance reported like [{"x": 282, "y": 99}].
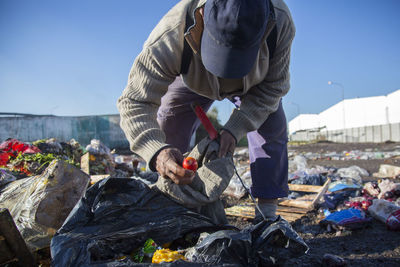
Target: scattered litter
[
  {"x": 332, "y": 200},
  {"x": 354, "y": 172},
  {"x": 350, "y": 155},
  {"x": 387, "y": 171},
  {"x": 343, "y": 184},
  {"x": 346, "y": 219},
  {"x": 235, "y": 188},
  {"x": 386, "y": 212},
  {"x": 371, "y": 189},
  {"x": 389, "y": 189}
]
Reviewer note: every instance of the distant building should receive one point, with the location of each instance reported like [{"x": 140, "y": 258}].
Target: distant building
[{"x": 367, "y": 119}]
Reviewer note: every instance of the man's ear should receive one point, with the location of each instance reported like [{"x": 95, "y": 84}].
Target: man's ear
[{"x": 201, "y": 11}]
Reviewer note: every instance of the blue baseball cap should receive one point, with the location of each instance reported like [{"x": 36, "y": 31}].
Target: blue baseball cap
[{"x": 233, "y": 31}]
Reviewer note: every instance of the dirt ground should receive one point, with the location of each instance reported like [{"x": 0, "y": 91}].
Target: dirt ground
[{"x": 373, "y": 245}]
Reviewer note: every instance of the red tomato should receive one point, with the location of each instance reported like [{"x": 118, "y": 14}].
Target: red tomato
[{"x": 190, "y": 163}]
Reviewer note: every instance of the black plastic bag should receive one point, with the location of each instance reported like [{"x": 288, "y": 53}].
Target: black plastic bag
[
  {"x": 116, "y": 216},
  {"x": 267, "y": 243}
]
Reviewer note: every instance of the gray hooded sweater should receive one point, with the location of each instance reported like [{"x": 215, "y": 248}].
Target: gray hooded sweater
[{"x": 158, "y": 64}]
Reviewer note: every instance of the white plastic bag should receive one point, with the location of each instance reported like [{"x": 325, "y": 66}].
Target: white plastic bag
[{"x": 386, "y": 212}]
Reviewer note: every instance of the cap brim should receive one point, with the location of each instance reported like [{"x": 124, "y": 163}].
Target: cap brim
[{"x": 227, "y": 62}]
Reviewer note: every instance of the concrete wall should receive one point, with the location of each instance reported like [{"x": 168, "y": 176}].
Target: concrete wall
[
  {"x": 352, "y": 113},
  {"x": 366, "y": 134},
  {"x": 83, "y": 129}
]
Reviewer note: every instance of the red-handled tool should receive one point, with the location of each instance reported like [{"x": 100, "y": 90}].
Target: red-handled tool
[{"x": 212, "y": 133}]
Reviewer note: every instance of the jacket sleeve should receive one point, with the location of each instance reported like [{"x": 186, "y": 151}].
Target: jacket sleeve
[
  {"x": 153, "y": 70},
  {"x": 263, "y": 99}
]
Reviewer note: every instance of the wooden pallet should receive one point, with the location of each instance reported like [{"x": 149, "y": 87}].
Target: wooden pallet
[
  {"x": 13, "y": 248},
  {"x": 290, "y": 209},
  {"x": 85, "y": 167}
]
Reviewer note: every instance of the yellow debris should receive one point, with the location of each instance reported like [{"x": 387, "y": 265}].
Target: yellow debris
[{"x": 166, "y": 255}]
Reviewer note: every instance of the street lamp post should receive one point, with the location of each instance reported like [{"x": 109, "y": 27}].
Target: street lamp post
[{"x": 344, "y": 117}]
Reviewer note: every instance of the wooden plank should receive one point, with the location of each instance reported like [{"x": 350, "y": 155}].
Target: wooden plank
[
  {"x": 247, "y": 211},
  {"x": 290, "y": 217},
  {"x": 85, "y": 166},
  {"x": 95, "y": 178},
  {"x": 249, "y": 214},
  {"x": 323, "y": 190},
  {"x": 296, "y": 203},
  {"x": 250, "y": 207},
  {"x": 304, "y": 188},
  {"x": 290, "y": 209},
  {"x": 14, "y": 240}
]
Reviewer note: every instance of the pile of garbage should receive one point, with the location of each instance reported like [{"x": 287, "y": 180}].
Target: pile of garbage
[
  {"x": 353, "y": 206},
  {"x": 367, "y": 154},
  {"x": 124, "y": 222},
  {"x": 117, "y": 221},
  {"x": 21, "y": 159},
  {"x": 349, "y": 202},
  {"x": 40, "y": 182}
]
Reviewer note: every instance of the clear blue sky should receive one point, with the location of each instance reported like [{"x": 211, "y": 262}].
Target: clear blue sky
[{"x": 73, "y": 57}]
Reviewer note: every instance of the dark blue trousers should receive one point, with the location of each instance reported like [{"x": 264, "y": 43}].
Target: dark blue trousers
[{"x": 267, "y": 145}]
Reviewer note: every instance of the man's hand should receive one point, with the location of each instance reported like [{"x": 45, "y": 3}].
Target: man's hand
[
  {"x": 168, "y": 164},
  {"x": 227, "y": 143}
]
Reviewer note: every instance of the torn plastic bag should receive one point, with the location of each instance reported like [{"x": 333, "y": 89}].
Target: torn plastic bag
[
  {"x": 267, "y": 243},
  {"x": 211, "y": 179},
  {"x": 40, "y": 204},
  {"x": 354, "y": 172},
  {"x": 116, "y": 216},
  {"x": 299, "y": 163},
  {"x": 235, "y": 187},
  {"x": 6, "y": 177}
]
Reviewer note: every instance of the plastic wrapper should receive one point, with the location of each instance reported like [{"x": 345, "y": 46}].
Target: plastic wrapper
[
  {"x": 387, "y": 186},
  {"x": 117, "y": 216},
  {"x": 386, "y": 170},
  {"x": 6, "y": 177},
  {"x": 372, "y": 189},
  {"x": 235, "y": 188},
  {"x": 50, "y": 146},
  {"x": 40, "y": 204},
  {"x": 264, "y": 244},
  {"x": 347, "y": 219},
  {"x": 96, "y": 147},
  {"x": 386, "y": 212},
  {"x": 353, "y": 172},
  {"x": 332, "y": 200},
  {"x": 316, "y": 179},
  {"x": 299, "y": 163},
  {"x": 343, "y": 184}
]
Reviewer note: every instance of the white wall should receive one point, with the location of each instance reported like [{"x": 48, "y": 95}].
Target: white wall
[
  {"x": 393, "y": 103},
  {"x": 352, "y": 113},
  {"x": 304, "y": 121}
]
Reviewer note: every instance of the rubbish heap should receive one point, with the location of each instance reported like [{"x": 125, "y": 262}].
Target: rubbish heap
[
  {"x": 350, "y": 201},
  {"x": 49, "y": 189},
  {"x": 118, "y": 221}
]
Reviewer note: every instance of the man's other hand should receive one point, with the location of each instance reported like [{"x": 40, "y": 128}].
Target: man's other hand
[
  {"x": 227, "y": 143},
  {"x": 169, "y": 164}
]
